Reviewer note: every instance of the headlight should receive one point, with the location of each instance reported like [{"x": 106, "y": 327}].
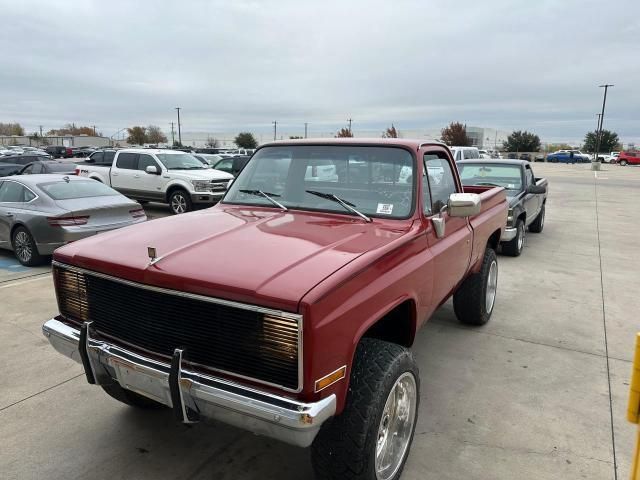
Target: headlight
[
  {"x": 71, "y": 290},
  {"x": 201, "y": 185},
  {"x": 510, "y": 216}
]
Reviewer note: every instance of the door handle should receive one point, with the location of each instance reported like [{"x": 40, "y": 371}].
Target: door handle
[
  {"x": 136, "y": 176},
  {"x": 114, "y": 174},
  {"x": 9, "y": 214}
]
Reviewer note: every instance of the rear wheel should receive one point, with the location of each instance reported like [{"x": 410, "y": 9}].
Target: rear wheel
[
  {"x": 513, "y": 248},
  {"x": 130, "y": 398},
  {"x": 370, "y": 439},
  {"x": 538, "y": 223},
  {"x": 473, "y": 302},
  {"x": 25, "y": 248},
  {"x": 623, "y": 162},
  {"x": 179, "y": 202}
]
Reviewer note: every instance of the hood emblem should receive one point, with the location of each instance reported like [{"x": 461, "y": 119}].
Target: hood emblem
[{"x": 151, "y": 251}]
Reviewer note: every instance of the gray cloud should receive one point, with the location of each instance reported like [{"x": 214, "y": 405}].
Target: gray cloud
[{"x": 508, "y": 64}]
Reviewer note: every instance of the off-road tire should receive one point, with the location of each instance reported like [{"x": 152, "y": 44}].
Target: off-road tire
[
  {"x": 345, "y": 447},
  {"x": 180, "y": 197},
  {"x": 25, "y": 248},
  {"x": 513, "y": 248},
  {"x": 538, "y": 223},
  {"x": 469, "y": 301},
  {"x": 130, "y": 398}
]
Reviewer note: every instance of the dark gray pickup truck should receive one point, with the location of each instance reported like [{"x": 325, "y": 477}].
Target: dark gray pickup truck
[{"x": 526, "y": 193}]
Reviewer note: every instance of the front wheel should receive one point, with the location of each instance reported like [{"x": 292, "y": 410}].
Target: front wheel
[
  {"x": 623, "y": 162},
  {"x": 538, "y": 223},
  {"x": 514, "y": 247},
  {"x": 179, "y": 202},
  {"x": 370, "y": 439},
  {"x": 474, "y": 300}
]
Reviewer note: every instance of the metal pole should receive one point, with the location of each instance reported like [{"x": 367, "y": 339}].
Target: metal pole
[
  {"x": 599, "y": 134},
  {"x": 94, "y": 130},
  {"x": 173, "y": 137},
  {"x": 350, "y": 120},
  {"x": 305, "y": 129},
  {"x": 275, "y": 129},
  {"x": 179, "y": 129}
]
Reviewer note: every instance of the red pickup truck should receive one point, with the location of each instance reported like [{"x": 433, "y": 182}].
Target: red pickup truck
[{"x": 289, "y": 308}]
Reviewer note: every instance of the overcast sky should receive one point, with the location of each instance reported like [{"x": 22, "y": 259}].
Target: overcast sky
[{"x": 508, "y": 64}]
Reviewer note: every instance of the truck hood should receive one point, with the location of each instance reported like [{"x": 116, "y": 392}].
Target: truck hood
[
  {"x": 204, "y": 174},
  {"x": 246, "y": 254}
]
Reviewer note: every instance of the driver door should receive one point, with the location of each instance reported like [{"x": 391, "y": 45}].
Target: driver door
[{"x": 452, "y": 251}]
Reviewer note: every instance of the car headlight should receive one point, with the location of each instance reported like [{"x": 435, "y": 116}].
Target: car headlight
[
  {"x": 201, "y": 185},
  {"x": 510, "y": 216}
]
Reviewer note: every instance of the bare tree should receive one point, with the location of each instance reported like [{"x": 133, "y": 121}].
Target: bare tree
[
  {"x": 391, "y": 132},
  {"x": 212, "y": 142},
  {"x": 11, "y": 129},
  {"x": 344, "y": 133},
  {"x": 155, "y": 135}
]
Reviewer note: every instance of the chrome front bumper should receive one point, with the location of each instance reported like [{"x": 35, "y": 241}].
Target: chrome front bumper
[
  {"x": 509, "y": 234},
  {"x": 192, "y": 395}
]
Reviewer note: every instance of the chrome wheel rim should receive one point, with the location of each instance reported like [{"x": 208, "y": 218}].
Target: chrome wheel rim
[
  {"x": 520, "y": 236},
  {"x": 22, "y": 246},
  {"x": 492, "y": 286},
  {"x": 396, "y": 426},
  {"x": 179, "y": 204}
]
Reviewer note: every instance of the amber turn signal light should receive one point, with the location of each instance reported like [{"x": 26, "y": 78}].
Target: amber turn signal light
[{"x": 330, "y": 379}]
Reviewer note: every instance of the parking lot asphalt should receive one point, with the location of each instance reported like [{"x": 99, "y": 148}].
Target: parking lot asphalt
[{"x": 538, "y": 393}]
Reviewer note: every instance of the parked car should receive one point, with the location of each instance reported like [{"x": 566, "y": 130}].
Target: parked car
[
  {"x": 628, "y": 158},
  {"x": 605, "y": 158},
  {"x": 7, "y": 169},
  {"x": 465, "y": 153},
  {"x": 526, "y": 193},
  {"x": 484, "y": 154},
  {"x": 47, "y": 167},
  {"x": 525, "y": 156},
  {"x": 59, "y": 151},
  {"x": 23, "y": 159},
  {"x": 232, "y": 165},
  {"x": 539, "y": 158},
  {"x": 39, "y": 213},
  {"x": 101, "y": 157},
  {"x": 357, "y": 267},
  {"x": 166, "y": 176},
  {"x": 81, "y": 152},
  {"x": 565, "y": 157},
  {"x": 581, "y": 157}
]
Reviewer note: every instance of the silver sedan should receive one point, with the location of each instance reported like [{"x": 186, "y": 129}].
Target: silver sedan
[{"x": 39, "y": 213}]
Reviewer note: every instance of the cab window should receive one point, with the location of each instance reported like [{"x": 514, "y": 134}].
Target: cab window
[
  {"x": 127, "y": 161},
  {"x": 14, "y": 192},
  {"x": 440, "y": 180}
]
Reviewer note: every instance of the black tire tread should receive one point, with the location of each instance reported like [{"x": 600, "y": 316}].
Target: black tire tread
[
  {"x": 510, "y": 248},
  {"x": 342, "y": 448},
  {"x": 187, "y": 198},
  {"x": 469, "y": 299},
  {"x": 537, "y": 225}
]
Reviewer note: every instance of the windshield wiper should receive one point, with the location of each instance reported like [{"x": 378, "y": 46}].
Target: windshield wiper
[
  {"x": 488, "y": 184},
  {"x": 268, "y": 196},
  {"x": 349, "y": 206}
]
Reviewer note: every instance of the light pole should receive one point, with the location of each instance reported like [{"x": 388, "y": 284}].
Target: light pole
[
  {"x": 601, "y": 121},
  {"x": 179, "y": 129},
  {"x": 173, "y": 137},
  {"x": 350, "y": 120},
  {"x": 305, "y": 129},
  {"x": 275, "y": 129}
]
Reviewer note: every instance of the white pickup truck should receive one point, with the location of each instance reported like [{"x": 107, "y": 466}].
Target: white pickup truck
[{"x": 166, "y": 176}]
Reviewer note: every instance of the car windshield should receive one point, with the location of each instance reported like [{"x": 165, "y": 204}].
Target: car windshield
[
  {"x": 377, "y": 181},
  {"x": 63, "y": 190},
  {"x": 180, "y": 161},
  {"x": 507, "y": 176}
]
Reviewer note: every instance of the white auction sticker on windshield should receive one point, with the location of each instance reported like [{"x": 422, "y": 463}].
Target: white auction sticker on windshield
[{"x": 385, "y": 208}]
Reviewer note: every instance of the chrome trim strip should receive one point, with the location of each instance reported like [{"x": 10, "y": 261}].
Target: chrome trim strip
[{"x": 228, "y": 303}]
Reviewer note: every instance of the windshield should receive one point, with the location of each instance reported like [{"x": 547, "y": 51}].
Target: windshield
[
  {"x": 79, "y": 189},
  {"x": 180, "y": 161},
  {"x": 377, "y": 181},
  {"x": 507, "y": 176}
]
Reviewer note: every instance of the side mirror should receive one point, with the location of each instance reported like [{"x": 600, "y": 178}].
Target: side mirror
[
  {"x": 464, "y": 204},
  {"x": 537, "y": 189},
  {"x": 152, "y": 169}
]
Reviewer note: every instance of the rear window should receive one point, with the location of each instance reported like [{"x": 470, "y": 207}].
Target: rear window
[{"x": 82, "y": 189}]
